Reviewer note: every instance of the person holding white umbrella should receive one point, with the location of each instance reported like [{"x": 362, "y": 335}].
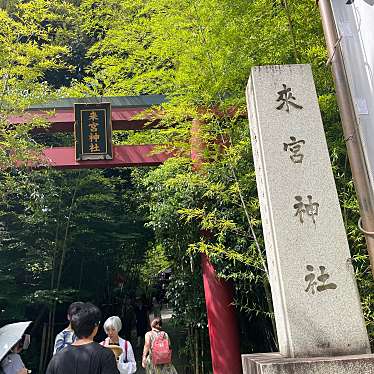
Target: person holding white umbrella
[{"x": 12, "y": 342}]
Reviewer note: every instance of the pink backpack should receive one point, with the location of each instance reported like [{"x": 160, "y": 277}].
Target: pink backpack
[{"x": 161, "y": 352}]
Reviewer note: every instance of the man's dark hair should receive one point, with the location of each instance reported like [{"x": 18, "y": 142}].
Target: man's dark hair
[
  {"x": 85, "y": 320},
  {"x": 74, "y": 308}
]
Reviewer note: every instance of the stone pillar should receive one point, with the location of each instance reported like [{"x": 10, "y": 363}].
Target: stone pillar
[
  {"x": 222, "y": 321},
  {"x": 316, "y": 301}
]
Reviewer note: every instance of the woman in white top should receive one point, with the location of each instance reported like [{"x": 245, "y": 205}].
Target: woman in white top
[{"x": 126, "y": 361}]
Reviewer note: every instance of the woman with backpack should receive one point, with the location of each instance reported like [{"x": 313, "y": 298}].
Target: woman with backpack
[
  {"x": 157, "y": 353},
  {"x": 126, "y": 362}
]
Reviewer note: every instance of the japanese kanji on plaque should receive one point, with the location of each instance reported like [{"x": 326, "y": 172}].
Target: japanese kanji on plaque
[{"x": 93, "y": 132}]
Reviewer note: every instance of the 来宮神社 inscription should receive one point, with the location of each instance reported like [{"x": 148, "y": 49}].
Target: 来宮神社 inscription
[
  {"x": 306, "y": 245},
  {"x": 93, "y": 131}
]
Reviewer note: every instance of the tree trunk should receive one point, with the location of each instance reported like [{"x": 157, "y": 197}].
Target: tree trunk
[
  {"x": 42, "y": 348},
  {"x": 196, "y": 338}
]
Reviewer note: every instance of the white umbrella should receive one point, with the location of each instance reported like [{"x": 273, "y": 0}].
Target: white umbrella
[{"x": 10, "y": 335}]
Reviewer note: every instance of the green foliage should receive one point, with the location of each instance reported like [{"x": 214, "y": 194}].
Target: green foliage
[
  {"x": 155, "y": 263},
  {"x": 202, "y": 54},
  {"x": 198, "y": 53},
  {"x": 41, "y": 238}
]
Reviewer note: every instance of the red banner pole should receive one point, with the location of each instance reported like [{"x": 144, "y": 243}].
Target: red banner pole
[{"x": 222, "y": 321}]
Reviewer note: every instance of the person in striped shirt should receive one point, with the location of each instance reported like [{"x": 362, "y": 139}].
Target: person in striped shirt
[{"x": 67, "y": 336}]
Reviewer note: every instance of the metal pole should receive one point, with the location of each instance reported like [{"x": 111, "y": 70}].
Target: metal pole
[{"x": 360, "y": 175}]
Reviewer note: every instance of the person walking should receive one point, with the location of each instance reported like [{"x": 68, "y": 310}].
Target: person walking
[
  {"x": 142, "y": 320},
  {"x": 66, "y": 336},
  {"x": 129, "y": 318},
  {"x": 84, "y": 355},
  {"x": 156, "y": 307},
  {"x": 126, "y": 361},
  {"x": 157, "y": 353}
]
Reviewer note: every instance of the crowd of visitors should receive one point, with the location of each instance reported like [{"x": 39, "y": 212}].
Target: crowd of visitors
[{"x": 76, "y": 351}]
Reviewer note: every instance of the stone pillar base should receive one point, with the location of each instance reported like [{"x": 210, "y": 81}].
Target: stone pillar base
[{"x": 274, "y": 363}]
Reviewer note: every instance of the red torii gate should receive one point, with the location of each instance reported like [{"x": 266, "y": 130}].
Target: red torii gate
[
  {"x": 126, "y": 111},
  {"x": 60, "y": 114}
]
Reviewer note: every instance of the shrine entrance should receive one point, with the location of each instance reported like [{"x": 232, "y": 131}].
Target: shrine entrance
[{"x": 126, "y": 113}]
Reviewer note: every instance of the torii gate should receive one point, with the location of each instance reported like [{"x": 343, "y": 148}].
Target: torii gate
[{"x": 222, "y": 321}]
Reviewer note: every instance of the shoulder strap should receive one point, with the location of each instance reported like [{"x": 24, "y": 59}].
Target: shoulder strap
[
  {"x": 126, "y": 346},
  {"x": 153, "y": 336}
]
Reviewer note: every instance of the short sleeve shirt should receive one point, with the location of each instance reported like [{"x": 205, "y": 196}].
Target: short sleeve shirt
[
  {"x": 63, "y": 339},
  {"x": 89, "y": 358},
  {"x": 12, "y": 363}
]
